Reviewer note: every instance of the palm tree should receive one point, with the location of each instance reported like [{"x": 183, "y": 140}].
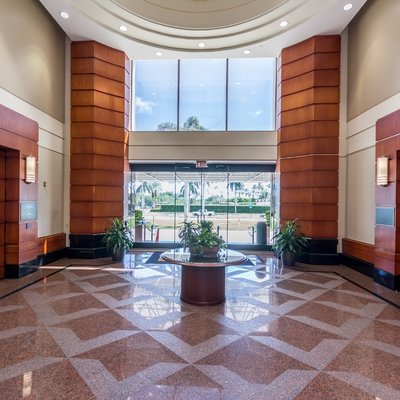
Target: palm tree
[
  {"x": 234, "y": 187},
  {"x": 258, "y": 188},
  {"x": 188, "y": 189},
  {"x": 148, "y": 187},
  {"x": 166, "y": 126},
  {"x": 193, "y": 124}
]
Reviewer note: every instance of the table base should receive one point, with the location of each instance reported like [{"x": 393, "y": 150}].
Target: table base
[{"x": 203, "y": 286}]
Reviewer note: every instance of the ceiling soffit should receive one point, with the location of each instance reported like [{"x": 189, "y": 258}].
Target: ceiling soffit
[{"x": 182, "y": 24}]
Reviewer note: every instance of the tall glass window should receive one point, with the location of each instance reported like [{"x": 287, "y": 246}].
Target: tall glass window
[
  {"x": 251, "y": 97},
  {"x": 202, "y": 95},
  {"x": 156, "y": 95}
]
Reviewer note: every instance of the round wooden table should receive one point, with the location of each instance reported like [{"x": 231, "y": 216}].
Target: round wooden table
[{"x": 203, "y": 279}]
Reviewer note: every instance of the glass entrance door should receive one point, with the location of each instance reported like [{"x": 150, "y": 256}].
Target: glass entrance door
[
  {"x": 234, "y": 197},
  {"x": 203, "y": 195}
]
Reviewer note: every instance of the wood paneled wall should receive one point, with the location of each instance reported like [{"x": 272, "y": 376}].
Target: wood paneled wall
[
  {"x": 2, "y": 209},
  {"x": 387, "y": 238},
  {"x": 308, "y": 134},
  {"x": 18, "y": 137},
  {"x": 100, "y": 100}
]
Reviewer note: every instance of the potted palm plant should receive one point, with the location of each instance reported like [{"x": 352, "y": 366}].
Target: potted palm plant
[
  {"x": 201, "y": 239},
  {"x": 288, "y": 242},
  {"x": 118, "y": 238}
]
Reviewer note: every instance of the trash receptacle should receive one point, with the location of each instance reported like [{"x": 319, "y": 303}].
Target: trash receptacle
[{"x": 261, "y": 232}]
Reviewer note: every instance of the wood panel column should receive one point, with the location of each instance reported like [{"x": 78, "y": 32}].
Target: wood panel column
[
  {"x": 308, "y": 142},
  {"x": 387, "y": 200},
  {"x": 100, "y": 104}
]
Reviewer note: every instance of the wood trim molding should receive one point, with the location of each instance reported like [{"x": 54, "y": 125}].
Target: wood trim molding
[
  {"x": 362, "y": 251},
  {"x": 51, "y": 243}
]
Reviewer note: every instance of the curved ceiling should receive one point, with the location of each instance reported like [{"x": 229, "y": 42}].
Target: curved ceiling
[
  {"x": 200, "y": 14},
  {"x": 177, "y": 26}
]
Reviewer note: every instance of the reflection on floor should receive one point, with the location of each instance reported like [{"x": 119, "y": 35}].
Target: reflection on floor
[{"x": 113, "y": 331}]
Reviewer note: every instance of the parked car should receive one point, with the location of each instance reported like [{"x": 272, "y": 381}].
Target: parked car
[{"x": 206, "y": 212}]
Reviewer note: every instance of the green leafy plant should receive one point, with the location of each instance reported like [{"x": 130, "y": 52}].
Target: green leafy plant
[
  {"x": 199, "y": 237},
  {"x": 138, "y": 217},
  {"x": 118, "y": 236},
  {"x": 288, "y": 239}
]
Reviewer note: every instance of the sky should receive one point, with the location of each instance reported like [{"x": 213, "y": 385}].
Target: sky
[{"x": 205, "y": 92}]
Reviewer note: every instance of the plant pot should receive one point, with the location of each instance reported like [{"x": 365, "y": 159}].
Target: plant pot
[
  {"x": 139, "y": 233},
  {"x": 210, "y": 252},
  {"x": 118, "y": 254},
  {"x": 288, "y": 259}
]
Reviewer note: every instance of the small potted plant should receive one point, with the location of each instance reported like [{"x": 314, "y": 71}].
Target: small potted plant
[
  {"x": 288, "y": 242},
  {"x": 118, "y": 238},
  {"x": 139, "y": 223},
  {"x": 200, "y": 238}
]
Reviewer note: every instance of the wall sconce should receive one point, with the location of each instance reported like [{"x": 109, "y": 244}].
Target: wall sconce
[
  {"x": 30, "y": 169},
  {"x": 382, "y": 171}
]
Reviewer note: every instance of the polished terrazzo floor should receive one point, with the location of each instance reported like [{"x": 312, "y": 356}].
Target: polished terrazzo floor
[{"x": 121, "y": 332}]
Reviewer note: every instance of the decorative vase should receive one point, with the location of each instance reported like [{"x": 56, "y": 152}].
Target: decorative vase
[
  {"x": 288, "y": 259},
  {"x": 118, "y": 254}
]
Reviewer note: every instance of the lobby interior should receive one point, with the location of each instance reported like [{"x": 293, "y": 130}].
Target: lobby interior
[{"x": 76, "y": 325}]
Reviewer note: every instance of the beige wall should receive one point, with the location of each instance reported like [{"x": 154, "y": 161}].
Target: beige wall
[
  {"x": 32, "y": 83},
  {"x": 220, "y": 146},
  {"x": 50, "y": 194},
  {"x": 373, "y": 91},
  {"x": 32, "y": 48},
  {"x": 374, "y": 56},
  {"x": 360, "y": 220}
]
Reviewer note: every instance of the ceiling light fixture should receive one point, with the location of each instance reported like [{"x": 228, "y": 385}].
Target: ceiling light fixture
[
  {"x": 348, "y": 6},
  {"x": 158, "y": 54},
  {"x": 202, "y": 44},
  {"x": 64, "y": 14},
  {"x": 247, "y": 51},
  {"x": 123, "y": 28},
  {"x": 283, "y": 24}
]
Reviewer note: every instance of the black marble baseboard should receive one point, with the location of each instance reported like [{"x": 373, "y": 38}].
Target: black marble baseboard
[
  {"x": 387, "y": 279},
  {"x": 18, "y": 271},
  {"x": 44, "y": 259},
  {"x": 358, "y": 265}
]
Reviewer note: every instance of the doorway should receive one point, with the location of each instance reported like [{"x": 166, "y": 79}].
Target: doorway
[{"x": 237, "y": 198}]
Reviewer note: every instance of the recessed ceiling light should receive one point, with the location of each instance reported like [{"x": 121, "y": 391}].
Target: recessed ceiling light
[
  {"x": 158, "y": 54},
  {"x": 283, "y": 24},
  {"x": 64, "y": 14},
  {"x": 348, "y": 6},
  {"x": 247, "y": 51},
  {"x": 202, "y": 44},
  {"x": 123, "y": 28}
]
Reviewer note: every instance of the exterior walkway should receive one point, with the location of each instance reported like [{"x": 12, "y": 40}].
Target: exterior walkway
[{"x": 101, "y": 330}]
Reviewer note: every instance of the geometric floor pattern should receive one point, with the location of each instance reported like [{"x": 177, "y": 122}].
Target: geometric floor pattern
[{"x": 122, "y": 332}]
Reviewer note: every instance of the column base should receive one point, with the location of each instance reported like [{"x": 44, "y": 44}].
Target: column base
[
  {"x": 320, "y": 251},
  {"x": 87, "y": 246},
  {"x": 18, "y": 271}
]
